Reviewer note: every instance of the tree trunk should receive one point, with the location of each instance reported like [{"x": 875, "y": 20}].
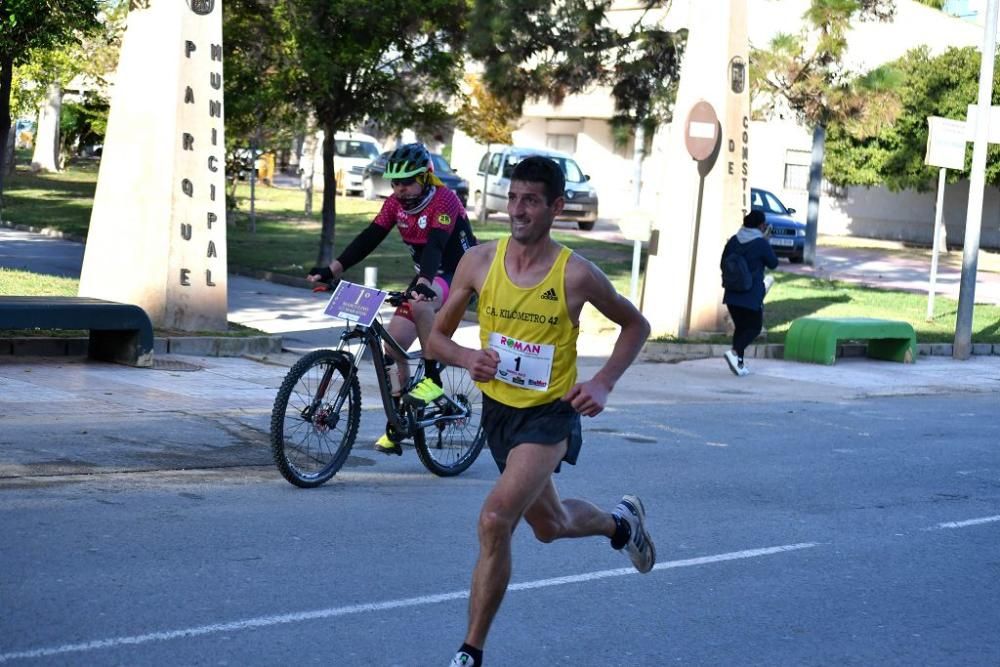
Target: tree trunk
[
  {"x": 307, "y": 164},
  {"x": 6, "y": 75},
  {"x": 815, "y": 185},
  {"x": 46, "y": 155},
  {"x": 329, "y": 215},
  {"x": 254, "y": 152},
  {"x": 9, "y": 151},
  {"x": 486, "y": 180}
]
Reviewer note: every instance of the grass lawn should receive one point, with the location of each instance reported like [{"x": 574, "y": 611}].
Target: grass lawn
[
  {"x": 794, "y": 296},
  {"x": 61, "y": 201},
  {"x": 286, "y": 241},
  {"x": 25, "y": 283}
]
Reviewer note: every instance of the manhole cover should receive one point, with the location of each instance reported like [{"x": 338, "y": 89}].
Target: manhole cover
[{"x": 173, "y": 365}]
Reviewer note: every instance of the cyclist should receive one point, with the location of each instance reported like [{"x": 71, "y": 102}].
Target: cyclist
[{"x": 435, "y": 227}]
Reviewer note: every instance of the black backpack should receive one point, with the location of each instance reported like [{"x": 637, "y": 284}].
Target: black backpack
[{"x": 736, "y": 276}]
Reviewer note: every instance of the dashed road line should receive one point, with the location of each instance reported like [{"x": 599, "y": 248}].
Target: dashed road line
[
  {"x": 966, "y": 523},
  {"x": 331, "y": 612}
]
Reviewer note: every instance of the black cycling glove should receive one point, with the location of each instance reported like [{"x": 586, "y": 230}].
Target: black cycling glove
[
  {"x": 424, "y": 290},
  {"x": 324, "y": 273}
]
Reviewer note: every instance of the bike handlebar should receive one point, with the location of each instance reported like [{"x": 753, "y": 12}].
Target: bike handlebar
[{"x": 393, "y": 297}]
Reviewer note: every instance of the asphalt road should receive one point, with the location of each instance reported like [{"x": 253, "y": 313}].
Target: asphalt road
[
  {"x": 801, "y": 518},
  {"x": 820, "y": 532}
]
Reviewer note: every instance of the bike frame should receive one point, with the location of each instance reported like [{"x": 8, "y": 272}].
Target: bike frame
[{"x": 403, "y": 421}]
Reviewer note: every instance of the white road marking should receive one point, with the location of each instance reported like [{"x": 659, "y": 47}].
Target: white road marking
[
  {"x": 265, "y": 621},
  {"x": 967, "y": 522}
]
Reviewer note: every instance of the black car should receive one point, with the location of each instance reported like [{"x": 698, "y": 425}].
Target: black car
[
  {"x": 375, "y": 185},
  {"x": 787, "y": 235}
]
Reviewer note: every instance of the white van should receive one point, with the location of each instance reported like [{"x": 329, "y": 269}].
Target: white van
[
  {"x": 496, "y": 166},
  {"x": 352, "y": 152}
]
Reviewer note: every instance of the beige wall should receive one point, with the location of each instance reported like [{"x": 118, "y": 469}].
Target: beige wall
[{"x": 869, "y": 212}]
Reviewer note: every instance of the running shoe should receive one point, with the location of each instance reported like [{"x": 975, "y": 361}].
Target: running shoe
[
  {"x": 386, "y": 446},
  {"x": 639, "y": 546},
  {"x": 462, "y": 659},
  {"x": 425, "y": 393},
  {"x": 741, "y": 369},
  {"x": 733, "y": 361}
]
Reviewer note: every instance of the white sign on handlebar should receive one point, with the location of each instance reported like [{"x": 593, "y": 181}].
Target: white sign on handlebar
[{"x": 355, "y": 303}]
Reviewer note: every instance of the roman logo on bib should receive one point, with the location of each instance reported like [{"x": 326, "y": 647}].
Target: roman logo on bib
[{"x": 522, "y": 363}]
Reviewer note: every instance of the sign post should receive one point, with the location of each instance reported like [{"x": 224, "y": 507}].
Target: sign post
[
  {"x": 962, "y": 348},
  {"x": 945, "y": 149},
  {"x": 701, "y": 139}
]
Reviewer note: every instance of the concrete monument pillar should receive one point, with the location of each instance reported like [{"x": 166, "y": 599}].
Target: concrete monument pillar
[
  {"x": 158, "y": 228},
  {"x": 707, "y": 184}
]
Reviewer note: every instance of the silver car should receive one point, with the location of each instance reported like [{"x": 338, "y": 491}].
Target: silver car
[{"x": 495, "y": 169}]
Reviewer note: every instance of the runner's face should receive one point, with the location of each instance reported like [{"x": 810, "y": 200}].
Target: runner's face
[{"x": 530, "y": 216}]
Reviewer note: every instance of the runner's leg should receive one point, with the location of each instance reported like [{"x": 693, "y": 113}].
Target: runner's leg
[
  {"x": 553, "y": 519},
  {"x": 525, "y": 477}
]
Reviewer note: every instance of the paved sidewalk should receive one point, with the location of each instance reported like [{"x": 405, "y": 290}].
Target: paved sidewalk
[
  {"x": 296, "y": 314},
  {"x": 192, "y": 410},
  {"x": 908, "y": 270},
  {"x": 64, "y": 416}
]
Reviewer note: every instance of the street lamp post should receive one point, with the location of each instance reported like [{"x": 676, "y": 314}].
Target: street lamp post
[{"x": 974, "y": 215}]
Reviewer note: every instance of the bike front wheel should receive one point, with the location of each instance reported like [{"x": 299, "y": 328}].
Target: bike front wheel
[
  {"x": 315, "y": 418},
  {"x": 449, "y": 447}
]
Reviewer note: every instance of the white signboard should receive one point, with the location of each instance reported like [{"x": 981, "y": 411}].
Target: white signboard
[
  {"x": 970, "y": 124},
  {"x": 945, "y": 143},
  {"x": 635, "y": 225}
]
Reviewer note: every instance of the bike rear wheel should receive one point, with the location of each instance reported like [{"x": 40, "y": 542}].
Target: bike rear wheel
[
  {"x": 315, "y": 418},
  {"x": 448, "y": 448}
]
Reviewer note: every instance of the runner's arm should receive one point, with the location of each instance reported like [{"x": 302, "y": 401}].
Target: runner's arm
[
  {"x": 590, "y": 397},
  {"x": 481, "y": 364}
]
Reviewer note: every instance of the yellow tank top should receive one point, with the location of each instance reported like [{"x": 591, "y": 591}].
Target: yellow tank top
[{"x": 530, "y": 328}]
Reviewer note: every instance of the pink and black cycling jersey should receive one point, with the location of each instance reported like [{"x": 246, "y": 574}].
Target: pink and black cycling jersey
[{"x": 443, "y": 212}]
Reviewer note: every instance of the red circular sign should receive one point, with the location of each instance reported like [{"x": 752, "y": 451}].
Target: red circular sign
[{"x": 701, "y": 131}]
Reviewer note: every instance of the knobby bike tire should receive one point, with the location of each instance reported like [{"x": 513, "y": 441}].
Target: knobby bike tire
[
  {"x": 449, "y": 448},
  {"x": 309, "y": 441}
]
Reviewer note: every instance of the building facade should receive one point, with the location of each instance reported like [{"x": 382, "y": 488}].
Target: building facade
[{"x": 780, "y": 148}]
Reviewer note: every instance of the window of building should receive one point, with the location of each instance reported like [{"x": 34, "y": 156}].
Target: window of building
[
  {"x": 797, "y": 170},
  {"x": 565, "y": 143}
]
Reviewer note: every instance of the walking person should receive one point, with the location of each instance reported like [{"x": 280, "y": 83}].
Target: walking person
[
  {"x": 531, "y": 291},
  {"x": 744, "y": 294}
]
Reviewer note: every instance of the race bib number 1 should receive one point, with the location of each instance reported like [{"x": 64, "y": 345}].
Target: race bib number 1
[{"x": 522, "y": 363}]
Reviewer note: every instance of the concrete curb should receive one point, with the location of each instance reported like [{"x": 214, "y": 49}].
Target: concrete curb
[
  {"x": 224, "y": 346},
  {"x": 271, "y": 277},
  {"x": 203, "y": 346},
  {"x": 44, "y": 231},
  {"x": 674, "y": 352}
]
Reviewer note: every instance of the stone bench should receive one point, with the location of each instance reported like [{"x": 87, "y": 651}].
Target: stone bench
[
  {"x": 119, "y": 332},
  {"x": 815, "y": 339}
]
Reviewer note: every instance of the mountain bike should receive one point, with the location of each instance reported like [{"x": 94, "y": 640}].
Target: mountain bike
[{"x": 316, "y": 413}]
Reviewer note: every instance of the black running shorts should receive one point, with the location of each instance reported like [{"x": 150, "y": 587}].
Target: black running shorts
[{"x": 547, "y": 424}]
